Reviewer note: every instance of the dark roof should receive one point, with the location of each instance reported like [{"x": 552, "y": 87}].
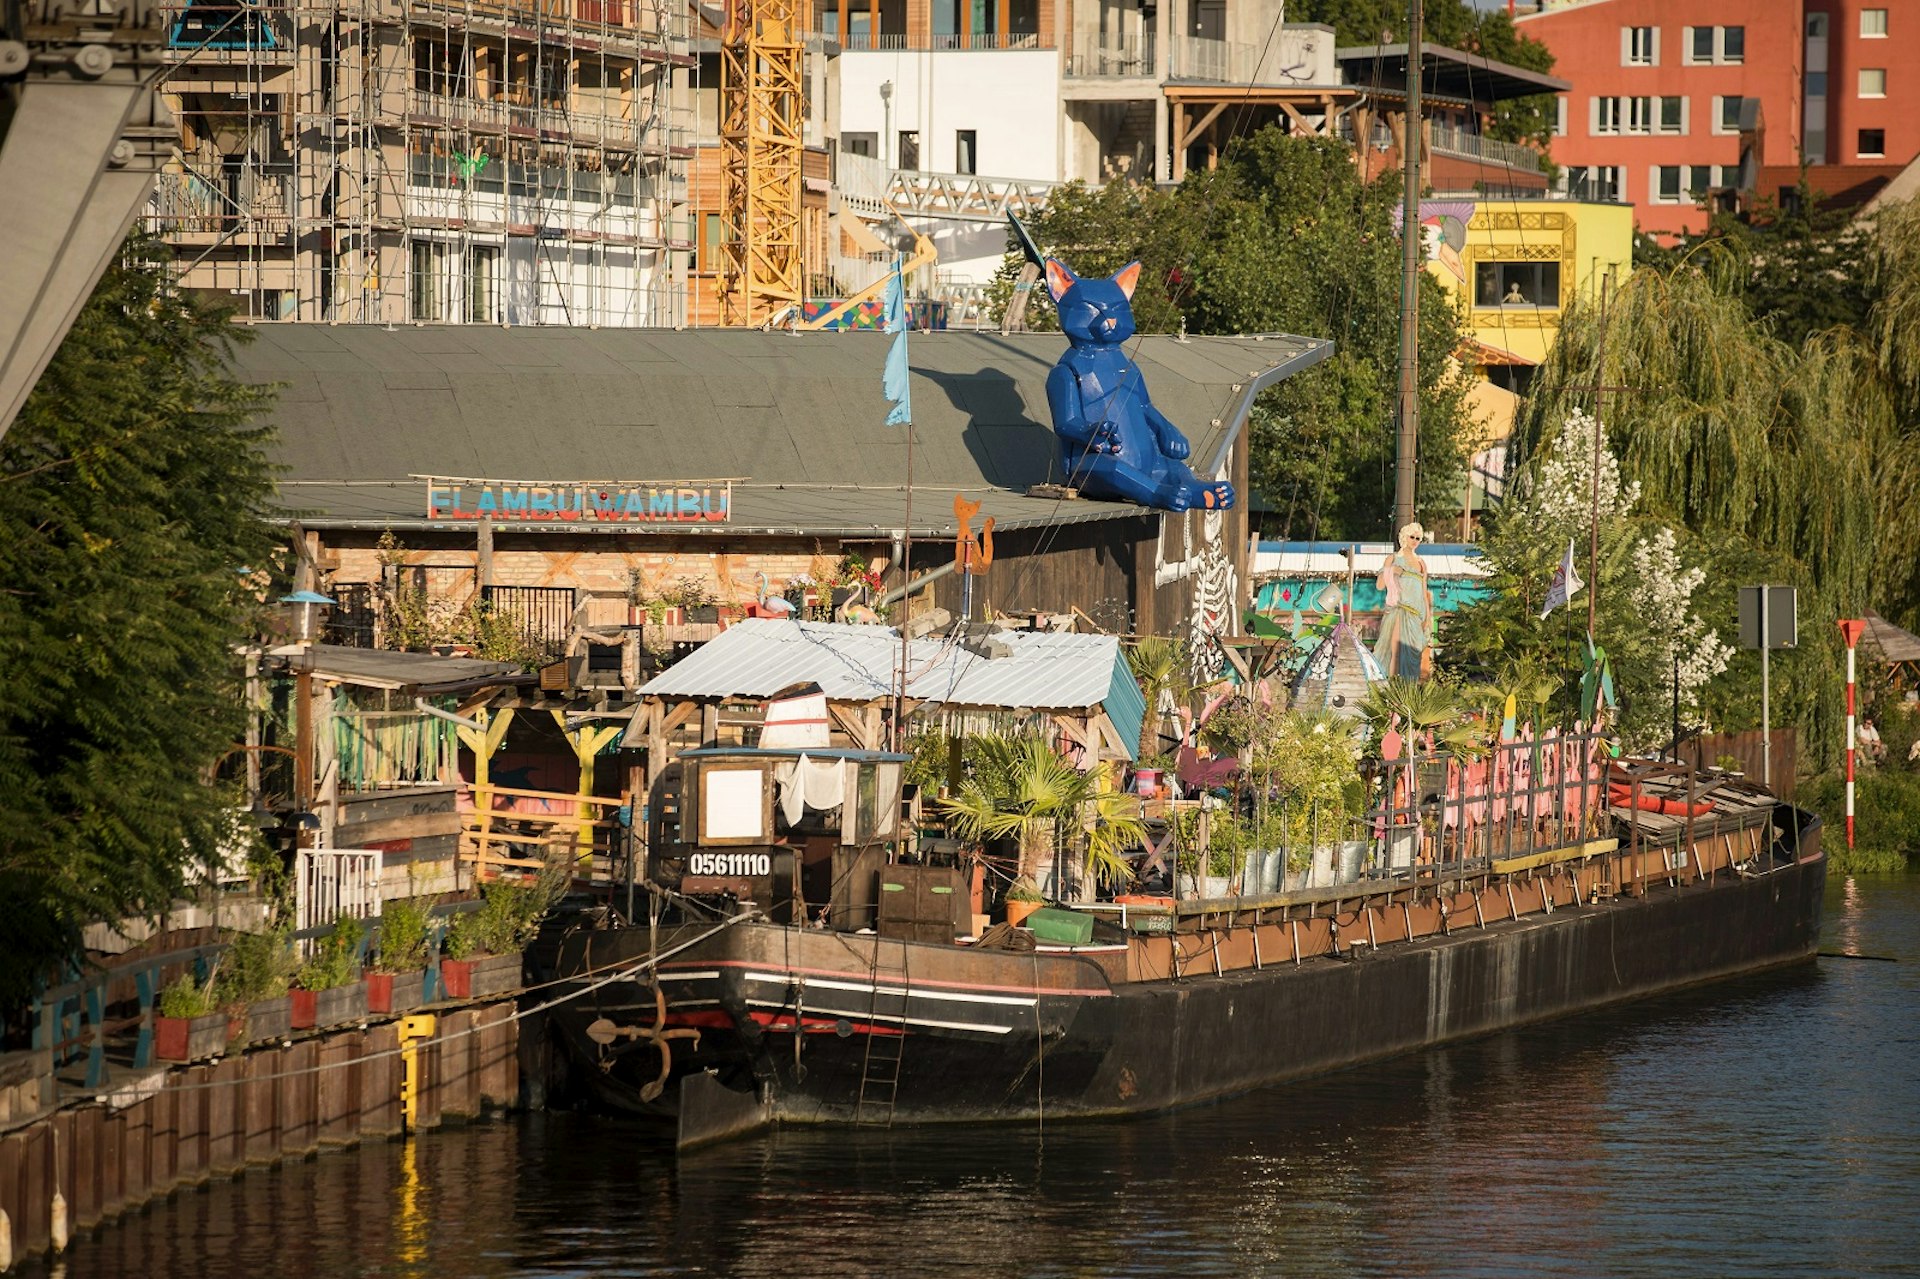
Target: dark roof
[
  {"x": 1444, "y": 73},
  {"x": 796, "y": 419},
  {"x": 1896, "y": 644},
  {"x": 383, "y": 668}
]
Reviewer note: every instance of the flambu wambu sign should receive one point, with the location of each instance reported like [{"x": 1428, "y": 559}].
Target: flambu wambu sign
[{"x": 579, "y": 501}]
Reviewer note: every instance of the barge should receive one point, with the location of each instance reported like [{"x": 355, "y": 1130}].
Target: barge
[{"x": 810, "y": 972}]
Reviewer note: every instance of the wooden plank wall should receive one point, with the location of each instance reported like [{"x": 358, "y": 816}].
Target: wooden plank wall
[{"x": 190, "y": 1123}]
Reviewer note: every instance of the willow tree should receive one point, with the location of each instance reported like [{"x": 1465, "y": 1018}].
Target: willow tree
[{"x": 1775, "y": 458}]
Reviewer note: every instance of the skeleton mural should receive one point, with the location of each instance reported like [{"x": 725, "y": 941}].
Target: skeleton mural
[{"x": 1212, "y": 611}]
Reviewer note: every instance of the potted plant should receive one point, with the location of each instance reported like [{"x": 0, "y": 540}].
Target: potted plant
[
  {"x": 186, "y": 1025},
  {"x": 253, "y": 985},
  {"x": 327, "y": 990},
  {"x": 397, "y": 980},
  {"x": 484, "y": 945},
  {"x": 1022, "y": 900},
  {"x": 697, "y": 600}
]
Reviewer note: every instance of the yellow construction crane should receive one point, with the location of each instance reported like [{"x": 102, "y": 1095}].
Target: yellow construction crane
[{"x": 760, "y": 149}]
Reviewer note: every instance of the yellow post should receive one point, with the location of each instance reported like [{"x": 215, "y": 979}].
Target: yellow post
[
  {"x": 412, "y": 1031},
  {"x": 587, "y": 742},
  {"x": 483, "y": 742}
]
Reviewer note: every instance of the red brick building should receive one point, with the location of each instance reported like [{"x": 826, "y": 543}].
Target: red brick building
[{"x": 1662, "y": 113}]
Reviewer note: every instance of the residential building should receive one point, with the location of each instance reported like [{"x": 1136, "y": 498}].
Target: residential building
[
  {"x": 1676, "y": 108},
  {"x": 430, "y": 161}
]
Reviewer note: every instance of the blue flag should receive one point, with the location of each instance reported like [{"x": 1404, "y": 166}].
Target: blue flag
[{"x": 894, "y": 382}]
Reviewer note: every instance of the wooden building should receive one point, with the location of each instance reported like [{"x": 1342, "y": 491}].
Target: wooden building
[{"x": 593, "y": 472}]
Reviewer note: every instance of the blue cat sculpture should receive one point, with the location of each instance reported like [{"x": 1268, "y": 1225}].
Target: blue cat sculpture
[{"x": 1113, "y": 442}]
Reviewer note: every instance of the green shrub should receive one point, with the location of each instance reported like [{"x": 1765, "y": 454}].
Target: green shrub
[
  {"x": 186, "y": 997},
  {"x": 510, "y": 913},
  {"x": 462, "y": 936},
  {"x": 256, "y": 966},
  {"x": 403, "y": 934},
  {"x": 1886, "y": 819},
  {"x": 333, "y": 962}
]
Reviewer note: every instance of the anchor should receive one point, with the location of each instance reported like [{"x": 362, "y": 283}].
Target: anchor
[{"x": 605, "y": 1033}]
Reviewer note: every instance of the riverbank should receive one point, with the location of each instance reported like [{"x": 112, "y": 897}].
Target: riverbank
[
  {"x": 75, "y": 1167},
  {"x": 1762, "y": 1126}
]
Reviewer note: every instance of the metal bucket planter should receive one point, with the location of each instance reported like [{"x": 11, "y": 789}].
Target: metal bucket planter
[
  {"x": 1353, "y": 855},
  {"x": 189, "y": 1038},
  {"x": 268, "y": 1019},
  {"x": 394, "y": 993},
  {"x": 1402, "y": 845},
  {"x": 495, "y": 975},
  {"x": 319, "y": 1009}
]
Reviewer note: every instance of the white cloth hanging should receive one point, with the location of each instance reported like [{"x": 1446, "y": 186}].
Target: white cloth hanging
[{"x": 809, "y": 783}]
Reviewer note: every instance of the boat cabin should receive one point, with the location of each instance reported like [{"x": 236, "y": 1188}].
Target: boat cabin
[{"x": 807, "y": 834}]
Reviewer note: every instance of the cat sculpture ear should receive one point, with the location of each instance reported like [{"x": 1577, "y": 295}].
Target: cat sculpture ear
[
  {"x": 1126, "y": 277},
  {"x": 1059, "y": 278}
]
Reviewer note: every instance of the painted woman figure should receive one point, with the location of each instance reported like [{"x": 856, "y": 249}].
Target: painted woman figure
[{"x": 1406, "y": 626}]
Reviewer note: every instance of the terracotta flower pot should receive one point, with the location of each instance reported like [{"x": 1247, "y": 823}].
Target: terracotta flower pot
[
  {"x": 189, "y": 1038},
  {"x": 394, "y": 993},
  {"x": 456, "y": 978},
  {"x": 1017, "y": 912}
]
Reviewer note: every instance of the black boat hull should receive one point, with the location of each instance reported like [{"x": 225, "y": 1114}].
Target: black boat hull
[{"x": 1053, "y": 1035}]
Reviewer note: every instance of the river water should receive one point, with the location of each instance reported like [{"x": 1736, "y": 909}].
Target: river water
[{"x": 1768, "y": 1126}]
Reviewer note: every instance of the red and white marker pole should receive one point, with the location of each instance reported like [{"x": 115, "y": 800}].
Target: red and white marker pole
[{"x": 1850, "y": 630}]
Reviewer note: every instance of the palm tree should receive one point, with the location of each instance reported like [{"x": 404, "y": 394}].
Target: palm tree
[
  {"x": 1158, "y": 664},
  {"x": 1023, "y": 790}
]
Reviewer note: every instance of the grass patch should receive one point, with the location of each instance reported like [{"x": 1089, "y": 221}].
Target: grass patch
[{"x": 1886, "y": 824}]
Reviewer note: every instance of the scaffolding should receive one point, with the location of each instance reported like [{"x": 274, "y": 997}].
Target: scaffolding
[{"x": 431, "y": 161}]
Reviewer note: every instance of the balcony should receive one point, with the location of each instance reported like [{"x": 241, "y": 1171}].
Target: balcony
[
  {"x": 962, "y": 42},
  {"x": 1449, "y": 140},
  {"x": 1111, "y": 58},
  {"x": 246, "y": 207}
]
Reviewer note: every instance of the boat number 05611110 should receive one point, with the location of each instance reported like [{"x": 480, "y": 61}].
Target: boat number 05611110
[{"x": 730, "y": 864}]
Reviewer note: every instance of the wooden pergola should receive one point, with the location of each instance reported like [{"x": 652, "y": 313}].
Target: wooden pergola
[{"x": 1212, "y": 114}]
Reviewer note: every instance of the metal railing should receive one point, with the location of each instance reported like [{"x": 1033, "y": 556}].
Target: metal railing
[
  {"x": 191, "y": 202},
  {"x": 1513, "y": 155},
  {"x": 544, "y": 613},
  {"x": 1224, "y": 61},
  {"x": 1111, "y": 57},
  {"x": 1524, "y": 796},
  {"x": 936, "y": 42}
]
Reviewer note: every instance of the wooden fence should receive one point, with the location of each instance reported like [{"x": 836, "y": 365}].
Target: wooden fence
[
  {"x": 1749, "y": 749},
  {"x": 510, "y": 834}
]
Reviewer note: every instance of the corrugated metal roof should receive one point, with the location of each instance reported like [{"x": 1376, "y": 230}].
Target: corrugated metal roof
[
  {"x": 384, "y": 668},
  {"x": 761, "y": 656},
  {"x": 797, "y": 419},
  {"x": 1444, "y": 559}
]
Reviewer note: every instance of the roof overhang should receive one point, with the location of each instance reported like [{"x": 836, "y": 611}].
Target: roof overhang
[{"x": 1453, "y": 74}]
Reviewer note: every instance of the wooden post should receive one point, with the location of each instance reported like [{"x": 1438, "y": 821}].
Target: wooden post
[
  {"x": 483, "y": 555},
  {"x": 483, "y": 742}
]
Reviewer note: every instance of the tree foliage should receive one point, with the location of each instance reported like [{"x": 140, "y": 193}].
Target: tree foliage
[
  {"x": 1284, "y": 237},
  {"x": 133, "y": 494},
  {"x": 1787, "y": 463}
]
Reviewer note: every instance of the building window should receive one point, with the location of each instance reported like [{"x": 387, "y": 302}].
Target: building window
[
  {"x": 1639, "y": 115},
  {"x": 1606, "y": 115},
  {"x": 1873, "y": 24},
  {"x": 1593, "y": 182},
  {"x": 483, "y": 285},
  {"x": 1668, "y": 183},
  {"x": 1673, "y": 115},
  {"x": 867, "y": 144},
  {"x": 1516, "y": 284},
  {"x": 1816, "y": 26},
  {"x": 711, "y": 232},
  {"x": 1816, "y": 84},
  {"x": 1873, "y": 82},
  {"x": 1726, "y": 114},
  {"x": 966, "y": 151},
  {"x": 909, "y": 154},
  {"x": 1640, "y": 46},
  {"x": 1559, "y": 115},
  {"x": 1708, "y": 45},
  {"x": 427, "y": 280},
  {"x": 1873, "y": 144}
]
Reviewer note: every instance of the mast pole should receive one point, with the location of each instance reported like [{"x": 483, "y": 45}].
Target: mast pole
[
  {"x": 1410, "y": 138},
  {"x": 906, "y": 604},
  {"x": 1593, "y": 508}
]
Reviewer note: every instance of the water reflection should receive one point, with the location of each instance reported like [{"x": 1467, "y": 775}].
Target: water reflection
[{"x": 1769, "y": 1126}]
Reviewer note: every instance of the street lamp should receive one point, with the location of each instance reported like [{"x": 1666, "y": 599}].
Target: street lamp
[{"x": 886, "y": 123}]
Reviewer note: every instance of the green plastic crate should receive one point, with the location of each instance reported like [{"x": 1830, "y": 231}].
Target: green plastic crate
[{"x": 1061, "y": 927}]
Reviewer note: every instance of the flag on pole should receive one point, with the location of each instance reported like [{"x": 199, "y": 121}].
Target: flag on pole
[
  {"x": 1566, "y": 584},
  {"x": 894, "y": 381}
]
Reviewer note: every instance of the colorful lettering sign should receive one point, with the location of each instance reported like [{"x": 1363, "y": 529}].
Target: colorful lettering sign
[{"x": 519, "y": 502}]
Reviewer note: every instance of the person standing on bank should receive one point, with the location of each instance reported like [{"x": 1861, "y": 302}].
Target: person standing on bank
[{"x": 1406, "y": 625}]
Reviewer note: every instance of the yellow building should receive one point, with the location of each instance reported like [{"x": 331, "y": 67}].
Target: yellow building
[{"x": 1515, "y": 266}]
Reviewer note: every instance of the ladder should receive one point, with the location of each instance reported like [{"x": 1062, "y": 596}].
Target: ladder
[{"x": 880, "y": 1066}]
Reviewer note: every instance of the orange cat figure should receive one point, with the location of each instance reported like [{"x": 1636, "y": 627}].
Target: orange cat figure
[{"x": 974, "y": 557}]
